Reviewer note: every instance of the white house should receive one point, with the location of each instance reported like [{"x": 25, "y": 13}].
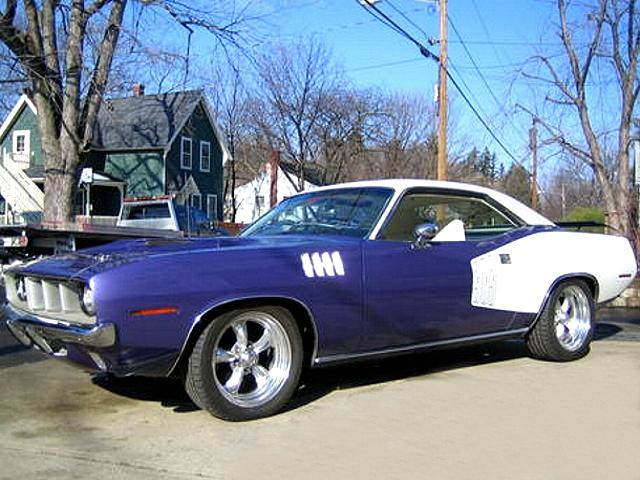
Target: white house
[{"x": 254, "y": 199}]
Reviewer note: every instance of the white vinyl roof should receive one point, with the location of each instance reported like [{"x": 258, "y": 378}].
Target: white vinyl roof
[{"x": 526, "y": 214}]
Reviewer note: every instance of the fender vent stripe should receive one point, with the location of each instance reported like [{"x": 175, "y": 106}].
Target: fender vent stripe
[{"x": 322, "y": 264}]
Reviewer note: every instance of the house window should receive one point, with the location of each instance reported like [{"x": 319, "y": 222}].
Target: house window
[
  {"x": 212, "y": 207},
  {"x": 185, "y": 153},
  {"x": 205, "y": 156},
  {"x": 196, "y": 200},
  {"x": 21, "y": 142}
]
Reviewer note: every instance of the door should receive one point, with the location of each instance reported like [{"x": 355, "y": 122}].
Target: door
[{"x": 422, "y": 293}]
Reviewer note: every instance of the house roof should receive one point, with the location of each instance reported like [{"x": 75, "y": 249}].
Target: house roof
[
  {"x": 143, "y": 122},
  {"x": 15, "y": 111}
]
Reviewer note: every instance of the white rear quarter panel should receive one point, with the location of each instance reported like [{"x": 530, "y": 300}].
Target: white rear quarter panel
[{"x": 518, "y": 276}]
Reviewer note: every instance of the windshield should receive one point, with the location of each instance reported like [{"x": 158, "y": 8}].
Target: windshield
[{"x": 351, "y": 212}]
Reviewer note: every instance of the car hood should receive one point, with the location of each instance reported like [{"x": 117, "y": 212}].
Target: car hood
[{"x": 86, "y": 263}]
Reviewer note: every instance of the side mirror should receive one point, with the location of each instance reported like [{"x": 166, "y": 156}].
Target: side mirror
[{"x": 424, "y": 233}]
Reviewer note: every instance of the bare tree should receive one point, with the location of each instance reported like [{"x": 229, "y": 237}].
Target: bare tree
[
  {"x": 295, "y": 85},
  {"x": 230, "y": 101},
  {"x": 349, "y": 123},
  {"x": 607, "y": 37},
  {"x": 49, "y": 41},
  {"x": 403, "y": 139}
]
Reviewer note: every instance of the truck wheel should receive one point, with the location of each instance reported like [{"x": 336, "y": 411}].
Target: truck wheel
[
  {"x": 246, "y": 364},
  {"x": 565, "y": 327}
]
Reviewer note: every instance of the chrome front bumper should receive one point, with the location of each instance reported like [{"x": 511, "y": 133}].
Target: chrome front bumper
[{"x": 50, "y": 337}]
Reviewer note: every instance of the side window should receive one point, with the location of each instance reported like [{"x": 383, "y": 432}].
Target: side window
[
  {"x": 21, "y": 142},
  {"x": 478, "y": 217},
  {"x": 185, "y": 153},
  {"x": 205, "y": 156},
  {"x": 212, "y": 207},
  {"x": 196, "y": 200}
]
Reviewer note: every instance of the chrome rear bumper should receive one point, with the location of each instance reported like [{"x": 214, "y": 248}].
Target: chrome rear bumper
[{"x": 50, "y": 337}]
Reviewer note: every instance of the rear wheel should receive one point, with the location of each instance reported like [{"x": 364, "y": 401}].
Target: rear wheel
[
  {"x": 246, "y": 364},
  {"x": 565, "y": 328}
]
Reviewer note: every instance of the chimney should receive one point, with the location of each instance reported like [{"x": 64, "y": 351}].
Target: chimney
[
  {"x": 274, "y": 163},
  {"x": 138, "y": 89}
]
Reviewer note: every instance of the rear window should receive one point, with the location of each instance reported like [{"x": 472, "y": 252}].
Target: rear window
[
  {"x": 143, "y": 212},
  {"x": 192, "y": 221}
]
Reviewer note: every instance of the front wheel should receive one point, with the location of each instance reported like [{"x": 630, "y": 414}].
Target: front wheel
[
  {"x": 246, "y": 364},
  {"x": 565, "y": 327}
]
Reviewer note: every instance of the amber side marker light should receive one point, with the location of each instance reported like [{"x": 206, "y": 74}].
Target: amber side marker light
[{"x": 154, "y": 311}]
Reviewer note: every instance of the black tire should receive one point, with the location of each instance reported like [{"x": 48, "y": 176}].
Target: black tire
[
  {"x": 551, "y": 337},
  {"x": 236, "y": 379}
]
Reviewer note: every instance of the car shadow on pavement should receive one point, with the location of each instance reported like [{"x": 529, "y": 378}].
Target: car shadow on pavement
[
  {"x": 168, "y": 391},
  {"x": 605, "y": 330},
  {"x": 317, "y": 383}
]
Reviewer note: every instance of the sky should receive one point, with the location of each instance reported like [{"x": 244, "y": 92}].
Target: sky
[
  {"x": 490, "y": 42},
  {"x": 499, "y": 37}
]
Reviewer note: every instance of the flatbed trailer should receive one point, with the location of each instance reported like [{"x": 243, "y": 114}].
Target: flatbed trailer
[{"x": 22, "y": 242}]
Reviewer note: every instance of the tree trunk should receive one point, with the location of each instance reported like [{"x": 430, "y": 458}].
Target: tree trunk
[{"x": 59, "y": 187}]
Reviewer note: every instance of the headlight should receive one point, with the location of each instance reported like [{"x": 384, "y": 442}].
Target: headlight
[{"x": 87, "y": 304}]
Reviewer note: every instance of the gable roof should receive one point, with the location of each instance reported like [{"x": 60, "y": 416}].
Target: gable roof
[
  {"x": 15, "y": 111},
  {"x": 149, "y": 121},
  {"x": 143, "y": 122}
]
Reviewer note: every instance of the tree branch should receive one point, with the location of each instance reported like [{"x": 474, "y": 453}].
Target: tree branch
[
  {"x": 95, "y": 7},
  {"x": 50, "y": 46},
  {"x": 557, "y": 81},
  {"x": 565, "y": 35},
  {"x": 33, "y": 29},
  {"x": 10, "y": 12},
  {"x": 595, "y": 41},
  {"x": 100, "y": 74}
]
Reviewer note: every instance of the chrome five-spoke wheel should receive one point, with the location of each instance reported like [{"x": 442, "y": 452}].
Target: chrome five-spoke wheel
[
  {"x": 246, "y": 364},
  {"x": 572, "y": 317},
  {"x": 565, "y": 326},
  {"x": 252, "y": 359}
]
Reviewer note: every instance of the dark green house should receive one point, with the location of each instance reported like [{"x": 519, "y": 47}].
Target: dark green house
[{"x": 145, "y": 145}]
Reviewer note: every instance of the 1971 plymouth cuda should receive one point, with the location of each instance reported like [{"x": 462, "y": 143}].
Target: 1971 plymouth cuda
[{"x": 348, "y": 272}]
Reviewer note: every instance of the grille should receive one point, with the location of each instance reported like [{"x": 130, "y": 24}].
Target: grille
[{"x": 46, "y": 297}]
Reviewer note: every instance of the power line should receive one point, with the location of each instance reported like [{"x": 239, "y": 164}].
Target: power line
[
  {"x": 403, "y": 15},
  {"x": 474, "y": 98},
  {"x": 383, "y": 65},
  {"x": 475, "y": 65},
  {"x": 383, "y": 18},
  {"x": 480, "y": 75},
  {"x": 484, "y": 28},
  {"x": 372, "y": 9}
]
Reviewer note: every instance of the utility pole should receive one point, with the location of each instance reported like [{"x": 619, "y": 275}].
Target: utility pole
[
  {"x": 533, "y": 144},
  {"x": 441, "y": 172}
]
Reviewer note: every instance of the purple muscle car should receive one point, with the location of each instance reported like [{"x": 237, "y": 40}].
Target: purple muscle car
[{"x": 348, "y": 272}]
